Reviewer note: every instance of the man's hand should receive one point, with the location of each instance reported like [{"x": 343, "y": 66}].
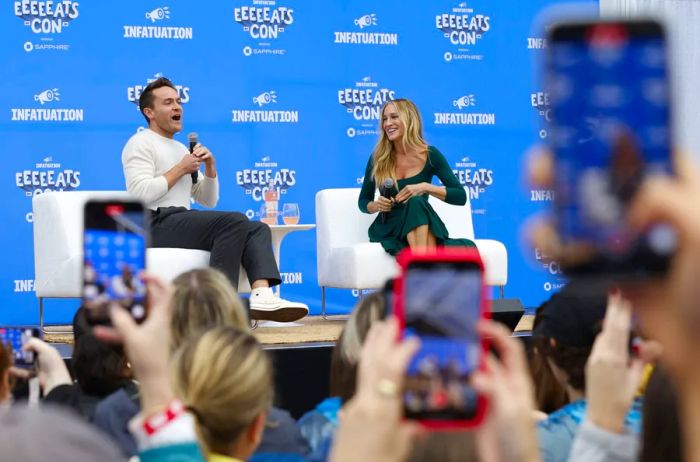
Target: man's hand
[{"x": 204, "y": 155}]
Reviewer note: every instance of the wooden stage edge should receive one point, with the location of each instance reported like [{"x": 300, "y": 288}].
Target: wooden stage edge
[{"x": 309, "y": 332}]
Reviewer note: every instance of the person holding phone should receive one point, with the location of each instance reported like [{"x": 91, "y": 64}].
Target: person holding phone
[
  {"x": 165, "y": 175},
  {"x": 403, "y": 159}
]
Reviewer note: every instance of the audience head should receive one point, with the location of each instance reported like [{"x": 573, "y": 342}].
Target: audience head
[
  {"x": 226, "y": 380},
  {"x": 662, "y": 437},
  {"x": 346, "y": 353},
  {"x": 409, "y": 134},
  {"x": 204, "y": 298},
  {"x": 99, "y": 368},
  {"x": 568, "y": 325},
  {"x": 48, "y": 433},
  {"x": 5, "y": 365}
]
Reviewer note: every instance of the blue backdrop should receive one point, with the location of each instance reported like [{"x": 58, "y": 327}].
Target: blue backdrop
[{"x": 283, "y": 89}]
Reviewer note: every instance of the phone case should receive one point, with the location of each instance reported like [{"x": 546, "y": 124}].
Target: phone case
[{"x": 456, "y": 255}]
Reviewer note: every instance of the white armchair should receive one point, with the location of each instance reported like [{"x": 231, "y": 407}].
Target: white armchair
[
  {"x": 58, "y": 247},
  {"x": 346, "y": 259}
]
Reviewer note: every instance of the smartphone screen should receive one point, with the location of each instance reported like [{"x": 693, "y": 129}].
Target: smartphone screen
[
  {"x": 442, "y": 304},
  {"x": 114, "y": 245},
  {"x": 16, "y": 337},
  {"x": 610, "y": 129}
]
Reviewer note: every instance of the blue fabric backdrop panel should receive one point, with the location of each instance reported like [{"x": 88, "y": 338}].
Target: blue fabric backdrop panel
[{"x": 280, "y": 90}]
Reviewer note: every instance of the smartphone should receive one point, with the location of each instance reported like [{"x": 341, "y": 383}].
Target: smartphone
[
  {"x": 115, "y": 239},
  {"x": 610, "y": 129},
  {"x": 16, "y": 338},
  {"x": 439, "y": 298}
]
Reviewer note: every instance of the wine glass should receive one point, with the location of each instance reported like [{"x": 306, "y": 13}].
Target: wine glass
[{"x": 290, "y": 214}]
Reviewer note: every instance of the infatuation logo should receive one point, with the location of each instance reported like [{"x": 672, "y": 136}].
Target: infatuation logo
[
  {"x": 363, "y": 37},
  {"x": 364, "y": 102},
  {"x": 134, "y": 92},
  {"x": 44, "y": 109},
  {"x": 260, "y": 115},
  {"x": 462, "y": 27},
  {"x": 265, "y": 174},
  {"x": 153, "y": 30},
  {"x": 464, "y": 117},
  {"x": 263, "y": 21},
  {"x": 48, "y": 19}
]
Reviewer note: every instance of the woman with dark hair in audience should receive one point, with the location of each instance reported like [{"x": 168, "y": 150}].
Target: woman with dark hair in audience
[{"x": 99, "y": 370}]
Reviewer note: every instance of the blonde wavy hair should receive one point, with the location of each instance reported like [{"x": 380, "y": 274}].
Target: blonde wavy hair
[
  {"x": 204, "y": 298},
  {"x": 384, "y": 154},
  {"x": 225, "y": 379}
]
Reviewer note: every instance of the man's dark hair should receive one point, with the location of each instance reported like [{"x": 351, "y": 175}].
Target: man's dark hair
[{"x": 146, "y": 98}]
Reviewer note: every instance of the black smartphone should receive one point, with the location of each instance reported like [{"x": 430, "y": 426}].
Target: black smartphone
[
  {"x": 16, "y": 338},
  {"x": 115, "y": 239},
  {"x": 440, "y": 299},
  {"x": 610, "y": 129}
]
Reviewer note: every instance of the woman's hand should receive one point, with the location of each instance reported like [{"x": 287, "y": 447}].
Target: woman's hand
[
  {"x": 382, "y": 204},
  {"x": 413, "y": 190},
  {"x": 612, "y": 379}
]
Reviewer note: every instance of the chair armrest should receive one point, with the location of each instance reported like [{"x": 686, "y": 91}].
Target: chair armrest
[{"x": 495, "y": 257}]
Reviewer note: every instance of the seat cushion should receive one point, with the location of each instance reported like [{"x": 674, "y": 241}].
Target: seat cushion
[{"x": 365, "y": 265}]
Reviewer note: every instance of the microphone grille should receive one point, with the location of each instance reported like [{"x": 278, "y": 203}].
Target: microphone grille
[
  {"x": 192, "y": 137},
  {"x": 388, "y": 183}
]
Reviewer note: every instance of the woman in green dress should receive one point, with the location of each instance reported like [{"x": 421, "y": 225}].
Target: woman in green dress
[{"x": 402, "y": 155}]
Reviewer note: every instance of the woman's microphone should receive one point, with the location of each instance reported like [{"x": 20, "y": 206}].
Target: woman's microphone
[
  {"x": 387, "y": 190},
  {"x": 193, "y": 138}
]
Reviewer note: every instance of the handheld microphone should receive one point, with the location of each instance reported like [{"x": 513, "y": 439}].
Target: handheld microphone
[
  {"x": 193, "y": 138},
  {"x": 388, "y": 190}
]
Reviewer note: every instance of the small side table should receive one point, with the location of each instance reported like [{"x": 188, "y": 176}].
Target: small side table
[{"x": 278, "y": 234}]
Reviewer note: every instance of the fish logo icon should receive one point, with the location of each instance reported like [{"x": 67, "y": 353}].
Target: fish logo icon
[
  {"x": 464, "y": 101},
  {"x": 158, "y": 14},
  {"x": 366, "y": 20},
  {"x": 265, "y": 98},
  {"x": 47, "y": 96}
]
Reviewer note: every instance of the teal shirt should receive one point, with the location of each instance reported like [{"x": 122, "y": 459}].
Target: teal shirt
[{"x": 435, "y": 165}]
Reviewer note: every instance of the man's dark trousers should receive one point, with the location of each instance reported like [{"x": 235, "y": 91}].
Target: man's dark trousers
[{"x": 231, "y": 238}]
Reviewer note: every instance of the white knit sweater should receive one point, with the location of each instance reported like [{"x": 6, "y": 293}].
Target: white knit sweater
[{"x": 146, "y": 157}]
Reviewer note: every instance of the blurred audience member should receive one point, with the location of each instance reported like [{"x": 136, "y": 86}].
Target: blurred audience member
[
  {"x": 570, "y": 321},
  {"x": 99, "y": 370},
  {"x": 225, "y": 380},
  {"x": 318, "y": 425},
  {"x": 201, "y": 299},
  {"x": 613, "y": 376}
]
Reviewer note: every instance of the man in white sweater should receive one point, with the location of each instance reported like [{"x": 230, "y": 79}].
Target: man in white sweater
[{"x": 165, "y": 175}]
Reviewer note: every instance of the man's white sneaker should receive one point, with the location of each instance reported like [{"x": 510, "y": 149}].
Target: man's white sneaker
[{"x": 266, "y": 306}]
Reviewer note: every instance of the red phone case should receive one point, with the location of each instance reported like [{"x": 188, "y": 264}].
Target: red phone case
[{"x": 445, "y": 254}]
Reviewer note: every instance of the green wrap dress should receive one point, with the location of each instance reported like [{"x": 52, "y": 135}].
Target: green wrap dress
[{"x": 405, "y": 217}]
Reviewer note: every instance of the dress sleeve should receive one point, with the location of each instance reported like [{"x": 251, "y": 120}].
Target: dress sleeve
[
  {"x": 456, "y": 195},
  {"x": 368, "y": 188}
]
